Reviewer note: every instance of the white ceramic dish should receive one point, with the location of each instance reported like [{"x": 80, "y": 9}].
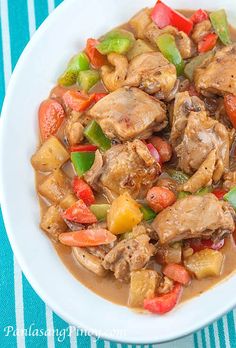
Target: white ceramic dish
[{"x": 61, "y": 36}]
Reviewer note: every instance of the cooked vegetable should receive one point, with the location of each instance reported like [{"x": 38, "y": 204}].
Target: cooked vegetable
[
  {"x": 138, "y": 48},
  {"x": 82, "y": 161},
  {"x": 51, "y": 155},
  {"x": 83, "y": 148},
  {"x": 78, "y": 63},
  {"x": 198, "y": 244},
  {"x": 167, "y": 46},
  {"x": 51, "y": 115},
  {"x": 124, "y": 214},
  {"x": 231, "y": 197},
  {"x": 87, "y": 79},
  {"x": 195, "y": 62},
  {"x": 204, "y": 191},
  {"x": 148, "y": 213},
  {"x": 83, "y": 191},
  {"x": 183, "y": 194},
  {"x": 87, "y": 238},
  {"x": 96, "y": 58},
  {"x": 100, "y": 210},
  {"x": 169, "y": 253},
  {"x": 163, "y": 15},
  {"x": 68, "y": 201},
  {"x": 199, "y": 16},
  {"x": 177, "y": 273},
  {"x": 54, "y": 187},
  {"x": 80, "y": 213},
  {"x": 164, "y": 303},
  {"x": 178, "y": 176},
  {"x": 205, "y": 263},
  {"x": 220, "y": 24},
  {"x": 163, "y": 148},
  {"x": 118, "y": 41},
  {"x": 153, "y": 151},
  {"x": 230, "y": 108},
  {"x": 143, "y": 285},
  {"x": 77, "y": 101},
  {"x": 159, "y": 198},
  {"x": 219, "y": 193},
  {"x": 95, "y": 135},
  {"x": 91, "y": 262},
  {"x": 207, "y": 43},
  {"x": 98, "y": 96},
  {"x": 52, "y": 222}
]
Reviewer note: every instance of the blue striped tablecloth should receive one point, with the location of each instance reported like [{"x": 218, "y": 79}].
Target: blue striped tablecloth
[{"x": 25, "y": 321}]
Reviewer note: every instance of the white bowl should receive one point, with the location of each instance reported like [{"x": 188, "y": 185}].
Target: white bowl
[{"x": 62, "y": 35}]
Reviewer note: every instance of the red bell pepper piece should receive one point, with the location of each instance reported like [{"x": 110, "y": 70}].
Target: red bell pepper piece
[
  {"x": 177, "y": 273},
  {"x": 77, "y": 101},
  {"x": 163, "y": 15},
  {"x": 83, "y": 191},
  {"x": 50, "y": 115},
  {"x": 230, "y": 108},
  {"x": 79, "y": 212},
  {"x": 199, "y": 16},
  {"x": 83, "y": 148},
  {"x": 207, "y": 43},
  {"x": 87, "y": 238},
  {"x": 164, "y": 303},
  {"x": 99, "y": 96},
  {"x": 96, "y": 58},
  {"x": 219, "y": 193},
  {"x": 198, "y": 244}
]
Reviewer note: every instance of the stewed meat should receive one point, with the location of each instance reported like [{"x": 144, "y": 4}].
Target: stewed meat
[{"x": 200, "y": 30}]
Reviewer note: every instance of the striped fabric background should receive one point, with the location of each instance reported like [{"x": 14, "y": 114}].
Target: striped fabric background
[{"x": 25, "y": 321}]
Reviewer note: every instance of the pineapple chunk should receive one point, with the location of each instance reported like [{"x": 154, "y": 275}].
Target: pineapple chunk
[
  {"x": 143, "y": 285},
  {"x": 205, "y": 263},
  {"x": 68, "y": 201},
  {"x": 52, "y": 222},
  {"x": 55, "y": 186},
  {"x": 51, "y": 155},
  {"x": 139, "y": 47},
  {"x": 124, "y": 214}
]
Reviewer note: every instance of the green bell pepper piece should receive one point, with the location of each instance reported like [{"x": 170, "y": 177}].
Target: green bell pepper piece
[
  {"x": 87, "y": 79},
  {"x": 78, "y": 63},
  {"x": 220, "y": 24},
  {"x": 195, "y": 63},
  {"x": 100, "y": 210},
  {"x": 167, "y": 46},
  {"x": 118, "y": 41},
  {"x": 183, "y": 194},
  {"x": 94, "y": 133},
  {"x": 178, "y": 176},
  {"x": 148, "y": 213},
  {"x": 231, "y": 197},
  {"x": 82, "y": 161},
  {"x": 204, "y": 190}
]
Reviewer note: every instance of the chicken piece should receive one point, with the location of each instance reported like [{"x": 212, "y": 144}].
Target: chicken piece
[
  {"x": 129, "y": 255},
  {"x": 194, "y": 217},
  {"x": 219, "y": 75},
  {"x": 129, "y": 113},
  {"x": 183, "y": 41},
  {"x": 201, "y": 29},
  {"x": 128, "y": 167},
  {"x": 153, "y": 73},
  {"x": 229, "y": 180},
  {"x": 93, "y": 174},
  {"x": 114, "y": 78},
  {"x": 139, "y": 22}
]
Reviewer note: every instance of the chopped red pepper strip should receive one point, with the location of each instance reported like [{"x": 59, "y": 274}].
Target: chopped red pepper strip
[
  {"x": 99, "y": 96},
  {"x": 207, "y": 43},
  {"x": 219, "y": 193},
  {"x": 230, "y": 108},
  {"x": 199, "y": 16},
  {"x": 79, "y": 212},
  {"x": 83, "y": 191},
  {"x": 198, "y": 244},
  {"x": 163, "y": 15},
  {"x": 96, "y": 58},
  {"x": 77, "y": 101},
  {"x": 83, "y": 148},
  {"x": 164, "y": 303}
]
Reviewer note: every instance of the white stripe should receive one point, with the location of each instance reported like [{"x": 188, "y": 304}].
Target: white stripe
[
  {"x": 31, "y": 17},
  {"x": 207, "y": 337},
  {"x": 106, "y": 344},
  {"x": 51, "y": 6},
  {"x": 216, "y": 335},
  {"x": 226, "y": 332},
  {"x": 93, "y": 343},
  {"x": 5, "y": 41},
  {"x": 19, "y": 305},
  {"x": 73, "y": 339},
  {"x": 120, "y": 346},
  {"x": 199, "y": 339},
  {"x": 180, "y": 343},
  {"x": 50, "y": 327}
]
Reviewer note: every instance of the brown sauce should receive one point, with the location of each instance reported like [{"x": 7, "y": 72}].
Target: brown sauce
[{"x": 108, "y": 287}]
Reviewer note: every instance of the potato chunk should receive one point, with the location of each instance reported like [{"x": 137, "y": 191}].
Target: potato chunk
[
  {"x": 68, "y": 201},
  {"x": 143, "y": 285},
  {"x": 55, "y": 186},
  {"x": 51, "y": 155},
  {"x": 205, "y": 263},
  {"x": 124, "y": 214},
  {"x": 139, "y": 47},
  {"x": 52, "y": 222}
]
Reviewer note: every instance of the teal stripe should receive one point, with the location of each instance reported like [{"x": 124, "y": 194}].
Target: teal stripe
[
  {"x": 113, "y": 345},
  {"x": 61, "y": 338},
  {"x": 19, "y": 30},
  {"x": 100, "y": 343},
  {"x": 41, "y": 11},
  {"x": 34, "y": 317},
  {"x": 203, "y": 338},
  {"x": 221, "y": 335},
  {"x": 231, "y": 327},
  {"x": 2, "y": 80},
  {"x": 212, "y": 336},
  {"x": 57, "y": 2},
  {"x": 195, "y": 340},
  {"x": 7, "y": 293},
  {"x": 83, "y": 341}
]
